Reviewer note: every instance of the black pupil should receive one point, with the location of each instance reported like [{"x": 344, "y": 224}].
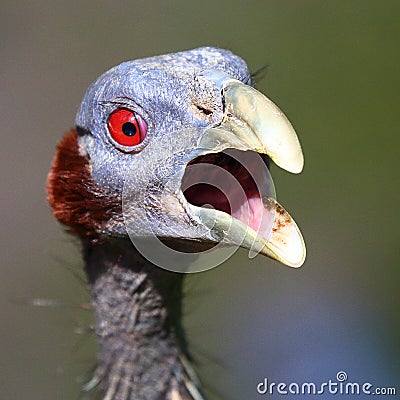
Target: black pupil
[{"x": 129, "y": 129}]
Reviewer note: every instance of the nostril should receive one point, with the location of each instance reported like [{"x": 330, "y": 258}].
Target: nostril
[{"x": 203, "y": 110}]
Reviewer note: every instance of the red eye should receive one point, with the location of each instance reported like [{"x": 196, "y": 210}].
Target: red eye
[{"x": 126, "y": 128}]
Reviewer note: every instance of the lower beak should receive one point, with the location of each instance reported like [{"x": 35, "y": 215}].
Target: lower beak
[{"x": 253, "y": 122}]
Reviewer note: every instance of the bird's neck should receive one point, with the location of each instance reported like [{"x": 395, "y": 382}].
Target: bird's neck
[{"x": 137, "y": 306}]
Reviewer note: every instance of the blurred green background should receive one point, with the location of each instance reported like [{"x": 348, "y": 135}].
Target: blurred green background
[{"x": 334, "y": 70}]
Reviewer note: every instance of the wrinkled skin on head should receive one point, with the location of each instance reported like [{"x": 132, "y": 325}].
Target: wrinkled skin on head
[{"x": 168, "y": 91}]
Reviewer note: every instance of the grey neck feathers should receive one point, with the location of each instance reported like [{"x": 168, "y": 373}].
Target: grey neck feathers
[{"x": 142, "y": 350}]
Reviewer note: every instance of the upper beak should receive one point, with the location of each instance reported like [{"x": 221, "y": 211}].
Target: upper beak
[
  {"x": 262, "y": 125},
  {"x": 253, "y": 122}
]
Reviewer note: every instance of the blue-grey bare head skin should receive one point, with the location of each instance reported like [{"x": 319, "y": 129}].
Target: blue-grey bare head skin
[{"x": 170, "y": 92}]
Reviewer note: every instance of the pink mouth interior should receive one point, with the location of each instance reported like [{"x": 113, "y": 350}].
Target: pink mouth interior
[{"x": 227, "y": 185}]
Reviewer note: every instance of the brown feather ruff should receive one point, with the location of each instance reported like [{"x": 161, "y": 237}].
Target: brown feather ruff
[{"x": 75, "y": 199}]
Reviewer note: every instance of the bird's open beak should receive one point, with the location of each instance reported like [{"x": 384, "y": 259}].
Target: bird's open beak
[{"x": 253, "y": 122}]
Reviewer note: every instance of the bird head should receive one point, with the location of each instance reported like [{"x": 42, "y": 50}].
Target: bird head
[{"x": 176, "y": 147}]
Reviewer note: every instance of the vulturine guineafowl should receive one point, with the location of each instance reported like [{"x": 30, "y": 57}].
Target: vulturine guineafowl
[{"x": 170, "y": 153}]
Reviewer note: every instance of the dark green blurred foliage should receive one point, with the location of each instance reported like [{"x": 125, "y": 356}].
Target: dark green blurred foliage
[{"x": 334, "y": 70}]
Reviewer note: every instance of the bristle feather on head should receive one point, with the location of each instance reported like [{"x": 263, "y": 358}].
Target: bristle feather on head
[{"x": 75, "y": 199}]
